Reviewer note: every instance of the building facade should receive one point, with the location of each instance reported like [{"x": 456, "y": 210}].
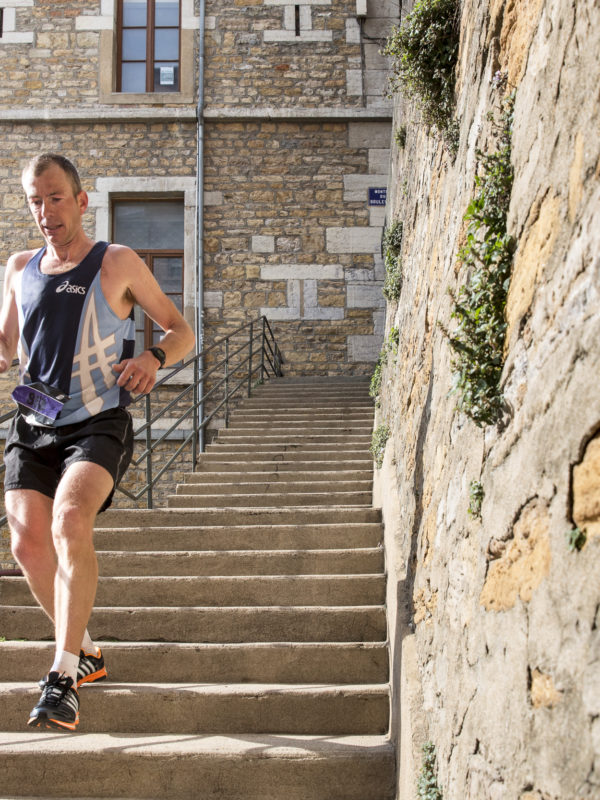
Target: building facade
[{"x": 249, "y": 172}]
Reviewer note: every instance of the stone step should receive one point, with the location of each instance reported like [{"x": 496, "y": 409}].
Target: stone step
[
  {"x": 217, "y": 454},
  {"x": 241, "y": 562},
  {"x": 253, "y": 767},
  {"x": 208, "y": 462},
  {"x": 186, "y": 708},
  {"x": 277, "y": 499},
  {"x": 238, "y": 537},
  {"x": 277, "y": 439},
  {"x": 297, "y": 402},
  {"x": 234, "y": 624},
  {"x": 172, "y": 662},
  {"x": 233, "y": 591},
  {"x": 267, "y": 391},
  {"x": 342, "y": 477},
  {"x": 175, "y": 517},
  {"x": 264, "y": 486},
  {"x": 308, "y": 450},
  {"x": 300, "y": 419},
  {"x": 290, "y": 432}
]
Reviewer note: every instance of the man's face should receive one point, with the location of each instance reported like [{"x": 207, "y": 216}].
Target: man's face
[{"x": 56, "y": 210}]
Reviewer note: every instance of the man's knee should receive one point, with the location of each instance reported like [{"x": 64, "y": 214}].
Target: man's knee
[
  {"x": 29, "y": 523},
  {"x": 72, "y": 525},
  {"x": 31, "y": 548}
]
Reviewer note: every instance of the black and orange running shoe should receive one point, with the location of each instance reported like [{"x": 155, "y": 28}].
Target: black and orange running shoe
[
  {"x": 58, "y": 707},
  {"x": 91, "y": 668}
]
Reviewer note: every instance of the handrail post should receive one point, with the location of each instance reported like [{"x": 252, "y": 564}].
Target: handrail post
[
  {"x": 195, "y": 418},
  {"x": 227, "y": 382},
  {"x": 148, "y": 452},
  {"x": 263, "y": 347},
  {"x": 250, "y": 358}
]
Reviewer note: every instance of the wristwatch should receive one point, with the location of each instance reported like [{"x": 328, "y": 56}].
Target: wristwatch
[{"x": 159, "y": 354}]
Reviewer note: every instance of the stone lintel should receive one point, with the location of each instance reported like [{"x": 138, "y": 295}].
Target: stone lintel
[
  {"x": 290, "y": 36},
  {"x": 282, "y": 272}
]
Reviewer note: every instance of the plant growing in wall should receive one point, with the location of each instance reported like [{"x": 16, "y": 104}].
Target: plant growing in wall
[
  {"x": 392, "y": 248},
  {"x": 400, "y": 137},
  {"x": 476, "y": 495},
  {"x": 378, "y": 442},
  {"x": 424, "y": 53},
  {"x": 576, "y": 538},
  {"x": 478, "y": 340},
  {"x": 389, "y": 346},
  {"x": 427, "y": 786}
]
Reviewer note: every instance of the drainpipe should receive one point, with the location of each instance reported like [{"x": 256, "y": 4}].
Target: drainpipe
[{"x": 200, "y": 225}]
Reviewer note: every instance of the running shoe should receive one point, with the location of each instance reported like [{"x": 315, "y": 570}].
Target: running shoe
[
  {"x": 91, "y": 667},
  {"x": 58, "y": 707}
]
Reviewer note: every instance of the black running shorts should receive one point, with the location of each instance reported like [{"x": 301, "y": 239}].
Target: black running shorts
[{"x": 37, "y": 457}]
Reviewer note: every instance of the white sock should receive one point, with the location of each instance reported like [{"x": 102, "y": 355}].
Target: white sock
[
  {"x": 88, "y": 645},
  {"x": 66, "y": 663}
]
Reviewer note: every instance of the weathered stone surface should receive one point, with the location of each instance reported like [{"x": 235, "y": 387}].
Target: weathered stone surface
[
  {"x": 505, "y": 614},
  {"x": 586, "y": 490},
  {"x": 524, "y": 563}
]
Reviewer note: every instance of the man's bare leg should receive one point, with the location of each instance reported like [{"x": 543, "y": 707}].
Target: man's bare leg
[
  {"x": 30, "y": 517},
  {"x": 30, "y": 520},
  {"x": 81, "y": 492}
]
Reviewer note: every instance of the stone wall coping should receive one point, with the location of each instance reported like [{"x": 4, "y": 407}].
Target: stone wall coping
[
  {"x": 374, "y": 113},
  {"x": 96, "y": 114}
]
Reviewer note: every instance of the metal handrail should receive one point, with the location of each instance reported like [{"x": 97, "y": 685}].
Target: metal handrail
[{"x": 270, "y": 361}]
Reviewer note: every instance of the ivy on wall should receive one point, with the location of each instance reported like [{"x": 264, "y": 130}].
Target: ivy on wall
[
  {"x": 392, "y": 256},
  {"x": 389, "y": 346},
  {"x": 427, "y": 785},
  {"x": 378, "y": 442},
  {"x": 424, "y": 54},
  {"x": 478, "y": 340}
]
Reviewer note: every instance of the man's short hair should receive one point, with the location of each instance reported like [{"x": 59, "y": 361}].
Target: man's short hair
[{"x": 41, "y": 163}]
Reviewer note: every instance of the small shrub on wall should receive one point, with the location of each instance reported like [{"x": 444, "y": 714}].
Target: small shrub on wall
[
  {"x": 392, "y": 249},
  {"x": 478, "y": 340},
  {"x": 424, "y": 53}
]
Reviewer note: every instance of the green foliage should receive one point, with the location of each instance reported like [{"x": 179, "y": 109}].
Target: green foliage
[
  {"x": 476, "y": 495},
  {"x": 392, "y": 248},
  {"x": 375, "y": 385},
  {"x": 478, "y": 340},
  {"x": 378, "y": 442},
  {"x": 400, "y": 136},
  {"x": 389, "y": 346},
  {"x": 576, "y": 538},
  {"x": 424, "y": 53},
  {"x": 427, "y": 787}
]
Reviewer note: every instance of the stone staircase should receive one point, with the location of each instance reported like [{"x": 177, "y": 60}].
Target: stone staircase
[{"x": 243, "y": 626}]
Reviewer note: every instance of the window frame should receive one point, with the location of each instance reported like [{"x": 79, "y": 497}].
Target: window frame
[
  {"x": 148, "y": 255},
  {"x": 150, "y": 50}
]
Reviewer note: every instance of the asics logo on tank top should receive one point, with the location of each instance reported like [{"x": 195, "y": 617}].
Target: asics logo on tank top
[{"x": 70, "y": 288}]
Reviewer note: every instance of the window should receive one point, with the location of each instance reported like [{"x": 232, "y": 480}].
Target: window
[
  {"x": 148, "y": 47},
  {"x": 155, "y": 230}
]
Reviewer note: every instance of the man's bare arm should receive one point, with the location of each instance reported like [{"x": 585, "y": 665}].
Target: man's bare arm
[
  {"x": 9, "y": 315},
  {"x": 139, "y": 374}
]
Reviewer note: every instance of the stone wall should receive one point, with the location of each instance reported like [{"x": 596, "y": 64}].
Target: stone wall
[
  {"x": 499, "y": 617},
  {"x": 289, "y": 234}
]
